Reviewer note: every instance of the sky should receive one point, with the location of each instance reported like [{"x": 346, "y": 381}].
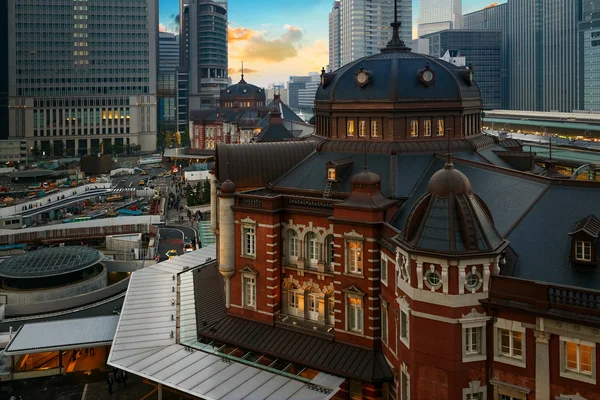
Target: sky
[{"x": 277, "y": 39}]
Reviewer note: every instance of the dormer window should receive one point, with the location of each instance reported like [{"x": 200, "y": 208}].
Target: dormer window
[
  {"x": 331, "y": 174},
  {"x": 583, "y": 251},
  {"x": 584, "y": 240}
]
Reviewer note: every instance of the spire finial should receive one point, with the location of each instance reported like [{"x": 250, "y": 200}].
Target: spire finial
[
  {"x": 396, "y": 44},
  {"x": 242, "y": 80}
]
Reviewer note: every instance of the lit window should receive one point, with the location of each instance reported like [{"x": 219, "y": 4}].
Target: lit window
[
  {"x": 354, "y": 257},
  {"x": 362, "y": 128},
  {"x": 293, "y": 243},
  {"x": 350, "y": 127},
  {"x": 249, "y": 241},
  {"x": 331, "y": 310},
  {"x": 249, "y": 291},
  {"x": 331, "y": 174},
  {"x": 510, "y": 343},
  {"x": 440, "y": 127},
  {"x": 473, "y": 340},
  {"x": 313, "y": 307},
  {"x": 578, "y": 358},
  {"x": 355, "y": 314},
  {"x": 384, "y": 323},
  {"x": 583, "y": 251},
  {"x": 374, "y": 129},
  {"x": 427, "y": 127},
  {"x": 414, "y": 128},
  {"x": 384, "y": 270}
]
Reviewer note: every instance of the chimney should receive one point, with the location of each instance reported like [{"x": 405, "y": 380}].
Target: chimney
[{"x": 275, "y": 117}]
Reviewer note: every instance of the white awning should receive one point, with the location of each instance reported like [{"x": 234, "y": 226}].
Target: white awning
[
  {"x": 63, "y": 334},
  {"x": 146, "y": 342}
]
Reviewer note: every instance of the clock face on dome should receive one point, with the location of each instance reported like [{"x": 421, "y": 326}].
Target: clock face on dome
[
  {"x": 427, "y": 76},
  {"x": 362, "y": 78}
]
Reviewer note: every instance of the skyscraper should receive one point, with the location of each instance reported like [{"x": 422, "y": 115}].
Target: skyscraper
[
  {"x": 589, "y": 53},
  {"x": 364, "y": 28},
  {"x": 3, "y": 71},
  {"x": 334, "y": 36},
  {"x": 206, "y": 44},
  {"x": 168, "y": 50},
  {"x": 82, "y": 75},
  {"x": 438, "y": 15},
  {"x": 542, "y": 55},
  {"x": 491, "y": 17}
]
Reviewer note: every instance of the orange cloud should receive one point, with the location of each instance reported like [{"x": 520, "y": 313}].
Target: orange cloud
[
  {"x": 239, "y": 71},
  {"x": 240, "y": 34}
]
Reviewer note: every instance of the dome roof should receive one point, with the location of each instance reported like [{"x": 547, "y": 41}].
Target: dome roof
[
  {"x": 228, "y": 187},
  {"x": 365, "y": 178},
  {"x": 450, "y": 218},
  {"x": 449, "y": 181},
  {"x": 243, "y": 90},
  {"x": 396, "y": 76}
]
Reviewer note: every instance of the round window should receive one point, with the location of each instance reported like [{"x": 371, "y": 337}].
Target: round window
[
  {"x": 433, "y": 278},
  {"x": 472, "y": 280}
]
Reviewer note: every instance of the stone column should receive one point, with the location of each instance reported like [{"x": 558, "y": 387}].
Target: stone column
[
  {"x": 227, "y": 236},
  {"x": 542, "y": 365},
  {"x": 213, "y": 202}
]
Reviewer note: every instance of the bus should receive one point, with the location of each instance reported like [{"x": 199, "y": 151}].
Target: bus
[{"x": 152, "y": 160}]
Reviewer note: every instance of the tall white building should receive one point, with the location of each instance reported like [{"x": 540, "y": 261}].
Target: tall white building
[
  {"x": 439, "y": 15},
  {"x": 306, "y": 95},
  {"x": 360, "y": 28},
  {"x": 83, "y": 74}
]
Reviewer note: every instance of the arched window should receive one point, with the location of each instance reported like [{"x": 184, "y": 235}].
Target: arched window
[
  {"x": 330, "y": 309},
  {"x": 329, "y": 251},
  {"x": 312, "y": 248},
  {"x": 315, "y": 306},
  {"x": 292, "y": 244}
]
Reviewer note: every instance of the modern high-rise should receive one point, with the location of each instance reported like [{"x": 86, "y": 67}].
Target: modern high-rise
[
  {"x": 82, "y": 74},
  {"x": 360, "y": 28},
  {"x": 491, "y": 17},
  {"x": 206, "y": 45},
  {"x": 306, "y": 95},
  {"x": 542, "y": 48},
  {"x": 589, "y": 56},
  {"x": 439, "y": 15},
  {"x": 334, "y": 36},
  {"x": 168, "y": 50},
  {"x": 183, "y": 71},
  {"x": 482, "y": 49},
  {"x": 294, "y": 85},
  {"x": 3, "y": 71}
]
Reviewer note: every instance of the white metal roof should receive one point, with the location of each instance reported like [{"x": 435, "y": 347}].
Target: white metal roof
[
  {"x": 143, "y": 344},
  {"x": 116, "y": 221},
  {"x": 573, "y": 117},
  {"x": 63, "y": 334}
]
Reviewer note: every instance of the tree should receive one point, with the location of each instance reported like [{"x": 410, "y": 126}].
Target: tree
[
  {"x": 198, "y": 193},
  {"x": 185, "y": 138},
  {"x": 206, "y": 192},
  {"x": 35, "y": 151}
]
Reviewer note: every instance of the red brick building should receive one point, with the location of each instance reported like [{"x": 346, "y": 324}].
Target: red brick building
[{"x": 368, "y": 252}]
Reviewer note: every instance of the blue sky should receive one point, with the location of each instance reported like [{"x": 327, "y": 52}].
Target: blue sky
[{"x": 291, "y": 35}]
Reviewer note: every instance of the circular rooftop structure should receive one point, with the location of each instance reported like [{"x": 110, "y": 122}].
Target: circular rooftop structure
[
  {"x": 243, "y": 90},
  {"x": 50, "y": 262}
]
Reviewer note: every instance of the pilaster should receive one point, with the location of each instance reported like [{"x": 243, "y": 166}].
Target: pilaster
[{"x": 542, "y": 365}]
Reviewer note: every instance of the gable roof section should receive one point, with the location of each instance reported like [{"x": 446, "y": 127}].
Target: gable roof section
[
  {"x": 274, "y": 133},
  {"x": 545, "y": 257},
  {"x": 589, "y": 225}
]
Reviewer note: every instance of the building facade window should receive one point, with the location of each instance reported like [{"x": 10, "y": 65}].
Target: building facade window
[
  {"x": 355, "y": 314},
  {"x": 292, "y": 243},
  {"x": 440, "y": 127},
  {"x": 312, "y": 250},
  {"x": 313, "y": 306},
  {"x": 249, "y": 288},
  {"x": 293, "y": 302},
  {"x": 362, "y": 128},
  {"x": 331, "y": 175},
  {"x": 384, "y": 322},
  {"x": 509, "y": 342},
  {"x": 404, "y": 383},
  {"x": 414, "y": 128},
  {"x": 427, "y": 127},
  {"x": 578, "y": 360},
  {"x": 355, "y": 257},
  {"x": 350, "y": 127},
  {"x": 473, "y": 280},
  {"x": 475, "y": 391},
  {"x": 331, "y": 310},
  {"x": 374, "y": 129},
  {"x": 249, "y": 238},
  {"x": 384, "y": 269},
  {"x": 473, "y": 338},
  {"x": 583, "y": 251}
]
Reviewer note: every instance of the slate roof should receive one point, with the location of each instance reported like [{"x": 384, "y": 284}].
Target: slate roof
[
  {"x": 590, "y": 225},
  {"x": 307, "y": 350},
  {"x": 274, "y": 133}
]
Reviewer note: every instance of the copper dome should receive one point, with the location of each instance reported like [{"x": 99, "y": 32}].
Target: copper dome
[
  {"x": 228, "y": 187},
  {"x": 449, "y": 181},
  {"x": 365, "y": 178}
]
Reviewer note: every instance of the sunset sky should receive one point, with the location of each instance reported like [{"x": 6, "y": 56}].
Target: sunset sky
[{"x": 276, "y": 39}]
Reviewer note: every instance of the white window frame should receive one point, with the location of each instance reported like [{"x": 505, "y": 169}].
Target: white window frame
[
  {"x": 330, "y": 310},
  {"x": 510, "y": 326},
  {"x": 354, "y": 255},
  {"x": 293, "y": 295},
  {"x": 474, "y": 388},
  {"x": 249, "y": 233},
  {"x": 477, "y": 321},
  {"x": 247, "y": 278},
  {"x": 329, "y": 248},
  {"x": 362, "y": 128},
  {"x": 384, "y": 322},
  {"x": 292, "y": 244},
  {"x": 311, "y": 298},
  {"x": 358, "y": 312},
  {"x": 427, "y": 127},
  {"x": 374, "y": 128},
  {"x": 473, "y": 272},
  {"x": 404, "y": 310},
  {"x": 583, "y": 250},
  {"x": 575, "y": 375},
  {"x": 404, "y": 375},
  {"x": 384, "y": 270},
  {"x": 312, "y": 253},
  {"x": 414, "y": 128}
]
